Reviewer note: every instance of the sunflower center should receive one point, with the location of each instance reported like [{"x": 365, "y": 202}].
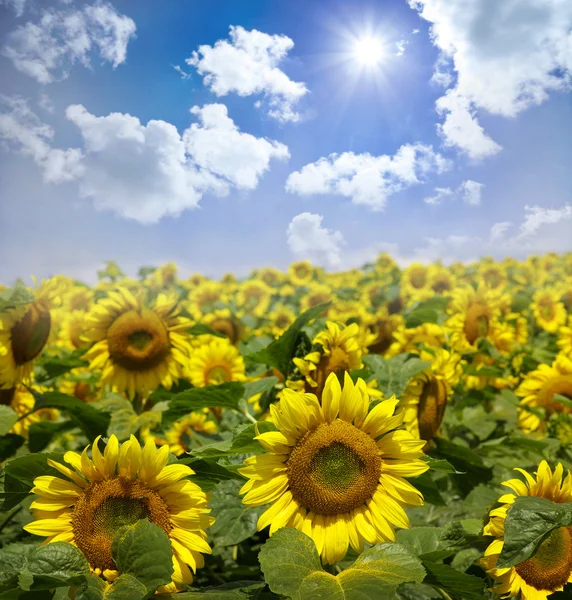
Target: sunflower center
[
  {"x": 334, "y": 468},
  {"x": 476, "y": 322},
  {"x": 227, "y": 327},
  {"x": 138, "y": 341},
  {"x": 551, "y": 566},
  {"x": 562, "y": 385},
  {"x": 336, "y": 362},
  {"x": 418, "y": 279},
  {"x": 30, "y": 334},
  {"x": 107, "y": 505},
  {"x": 218, "y": 374},
  {"x": 441, "y": 285},
  {"x": 431, "y": 409},
  {"x": 547, "y": 310},
  {"x": 493, "y": 279},
  {"x": 384, "y": 329}
]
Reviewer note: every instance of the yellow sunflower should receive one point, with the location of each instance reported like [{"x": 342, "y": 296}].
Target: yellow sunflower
[
  {"x": 334, "y": 470},
  {"x": 22, "y": 402},
  {"x": 565, "y": 338},
  {"x": 301, "y": 273},
  {"x": 426, "y": 396},
  {"x": 412, "y": 339},
  {"x": 24, "y": 331},
  {"x": 415, "y": 282},
  {"x": 79, "y": 298},
  {"x": 384, "y": 263},
  {"x": 550, "y": 568},
  {"x": 441, "y": 280},
  {"x": 179, "y": 435},
  {"x": 224, "y": 321},
  {"x": 383, "y": 326},
  {"x": 137, "y": 347},
  {"x": 215, "y": 362},
  {"x": 317, "y": 294},
  {"x": 253, "y": 297},
  {"x": 205, "y": 297},
  {"x": 549, "y": 313},
  {"x": 538, "y": 388},
  {"x": 118, "y": 488},
  {"x": 281, "y": 317},
  {"x": 72, "y": 330},
  {"x": 340, "y": 351},
  {"x": 271, "y": 276},
  {"x": 493, "y": 274}
]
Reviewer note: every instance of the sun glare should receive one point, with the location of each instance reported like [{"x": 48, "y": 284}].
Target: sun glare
[{"x": 369, "y": 51}]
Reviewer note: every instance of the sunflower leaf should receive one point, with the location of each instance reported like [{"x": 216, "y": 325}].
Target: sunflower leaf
[
  {"x": 529, "y": 521},
  {"x": 15, "y": 296},
  {"x": 7, "y": 418},
  {"x": 279, "y": 353},
  {"x": 291, "y": 567},
  {"x": 54, "y": 565},
  {"x": 204, "y": 329},
  {"x": 235, "y": 590},
  {"x": 208, "y": 473},
  {"x": 243, "y": 442},
  {"x": 459, "y": 585},
  {"x": 393, "y": 374},
  {"x": 144, "y": 551}
]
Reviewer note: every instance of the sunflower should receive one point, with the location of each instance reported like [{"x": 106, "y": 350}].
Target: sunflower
[
  {"x": 338, "y": 350},
  {"x": 441, "y": 280},
  {"x": 412, "y": 339},
  {"x": 565, "y": 338},
  {"x": 22, "y": 401},
  {"x": 426, "y": 396},
  {"x": 334, "y": 471},
  {"x": 538, "y": 389},
  {"x": 118, "y": 488},
  {"x": 24, "y": 331},
  {"x": 415, "y": 282},
  {"x": 549, "y": 313},
  {"x": 317, "y": 294},
  {"x": 271, "y": 276},
  {"x": 79, "y": 298},
  {"x": 80, "y": 383},
  {"x": 281, "y": 318},
  {"x": 384, "y": 263},
  {"x": 205, "y": 297},
  {"x": 550, "y": 568},
  {"x": 383, "y": 326},
  {"x": 225, "y": 322},
  {"x": 137, "y": 348},
  {"x": 493, "y": 275},
  {"x": 253, "y": 297},
  {"x": 215, "y": 362},
  {"x": 72, "y": 330},
  {"x": 180, "y": 434},
  {"x": 301, "y": 273}
]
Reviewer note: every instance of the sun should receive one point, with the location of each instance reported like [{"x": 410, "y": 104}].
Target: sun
[{"x": 369, "y": 51}]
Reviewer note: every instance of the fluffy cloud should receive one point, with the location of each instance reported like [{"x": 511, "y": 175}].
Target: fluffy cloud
[
  {"x": 441, "y": 194},
  {"x": 247, "y": 65},
  {"x": 536, "y": 217},
  {"x": 46, "y": 50},
  {"x": 309, "y": 240},
  {"x": 367, "y": 179},
  {"x": 21, "y": 129},
  {"x": 470, "y": 192},
  {"x": 506, "y": 57},
  {"x": 216, "y": 144},
  {"x": 144, "y": 172}
]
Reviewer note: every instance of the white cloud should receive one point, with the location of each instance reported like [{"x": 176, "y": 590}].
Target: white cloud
[
  {"x": 536, "y": 217},
  {"x": 440, "y": 195},
  {"x": 367, "y": 179},
  {"x": 309, "y": 240},
  {"x": 461, "y": 128},
  {"x": 143, "y": 172},
  {"x": 506, "y": 55},
  {"x": 217, "y": 144},
  {"x": 401, "y": 45},
  {"x": 21, "y": 129},
  {"x": 17, "y": 6},
  {"x": 45, "y": 103},
  {"x": 498, "y": 231},
  {"x": 46, "y": 50},
  {"x": 247, "y": 65},
  {"x": 470, "y": 192},
  {"x": 181, "y": 72}
]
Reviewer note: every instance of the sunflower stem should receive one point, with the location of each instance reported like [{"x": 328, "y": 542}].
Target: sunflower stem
[{"x": 249, "y": 417}]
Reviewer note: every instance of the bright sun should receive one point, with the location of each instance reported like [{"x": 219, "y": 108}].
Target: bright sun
[{"x": 369, "y": 51}]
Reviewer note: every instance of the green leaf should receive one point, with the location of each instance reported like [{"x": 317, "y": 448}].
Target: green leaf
[
  {"x": 455, "y": 583},
  {"x": 441, "y": 465},
  {"x": 279, "y": 353},
  {"x": 208, "y": 473},
  {"x": 236, "y": 590},
  {"x": 13, "y": 560},
  {"x": 528, "y": 523},
  {"x": 427, "y": 486},
  {"x": 292, "y": 568},
  {"x": 393, "y": 374},
  {"x": 203, "y": 329},
  {"x": 91, "y": 421},
  {"x": 225, "y": 395},
  {"x": 42, "y": 433},
  {"x": 126, "y": 587},
  {"x": 428, "y": 311},
  {"x": 259, "y": 387},
  {"x": 144, "y": 551},
  {"x": 93, "y": 588},
  {"x": 16, "y": 296},
  {"x": 17, "y": 477},
  {"x": 483, "y": 371},
  {"x": 56, "y": 367},
  {"x": 243, "y": 442},
  {"x": 9, "y": 445},
  {"x": 235, "y": 522},
  {"x": 56, "y": 565},
  {"x": 420, "y": 540},
  {"x": 7, "y": 419}
]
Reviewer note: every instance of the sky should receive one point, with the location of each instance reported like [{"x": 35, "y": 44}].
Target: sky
[{"x": 228, "y": 136}]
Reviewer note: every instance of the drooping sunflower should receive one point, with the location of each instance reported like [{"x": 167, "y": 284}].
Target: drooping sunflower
[
  {"x": 215, "y": 362},
  {"x": 118, "y": 488},
  {"x": 426, "y": 396},
  {"x": 538, "y": 389},
  {"x": 24, "y": 331},
  {"x": 137, "y": 347},
  {"x": 335, "y": 470},
  {"x": 565, "y": 338},
  {"x": 549, "y": 312},
  {"x": 550, "y": 568},
  {"x": 339, "y": 350}
]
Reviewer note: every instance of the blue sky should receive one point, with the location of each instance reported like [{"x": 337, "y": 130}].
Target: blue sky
[{"x": 488, "y": 138}]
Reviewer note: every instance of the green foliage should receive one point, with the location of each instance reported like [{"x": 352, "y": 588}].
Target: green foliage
[{"x": 393, "y": 374}]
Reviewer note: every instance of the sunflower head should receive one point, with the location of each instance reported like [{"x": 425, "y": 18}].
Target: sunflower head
[
  {"x": 334, "y": 468},
  {"x": 215, "y": 362},
  {"x": 549, "y": 312},
  {"x": 225, "y": 322},
  {"x": 301, "y": 273}
]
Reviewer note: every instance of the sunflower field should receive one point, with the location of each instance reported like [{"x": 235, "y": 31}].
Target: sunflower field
[{"x": 380, "y": 433}]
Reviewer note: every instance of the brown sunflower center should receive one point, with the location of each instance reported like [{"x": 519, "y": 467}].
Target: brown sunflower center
[
  {"x": 418, "y": 278},
  {"x": 334, "y": 468},
  {"x": 551, "y": 566},
  {"x": 432, "y": 404},
  {"x": 227, "y": 327},
  {"x": 138, "y": 341},
  {"x": 218, "y": 374},
  {"x": 30, "y": 334},
  {"x": 107, "y": 505},
  {"x": 441, "y": 285},
  {"x": 562, "y": 385},
  {"x": 338, "y": 361},
  {"x": 546, "y": 309},
  {"x": 384, "y": 329},
  {"x": 493, "y": 279},
  {"x": 476, "y": 322}
]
